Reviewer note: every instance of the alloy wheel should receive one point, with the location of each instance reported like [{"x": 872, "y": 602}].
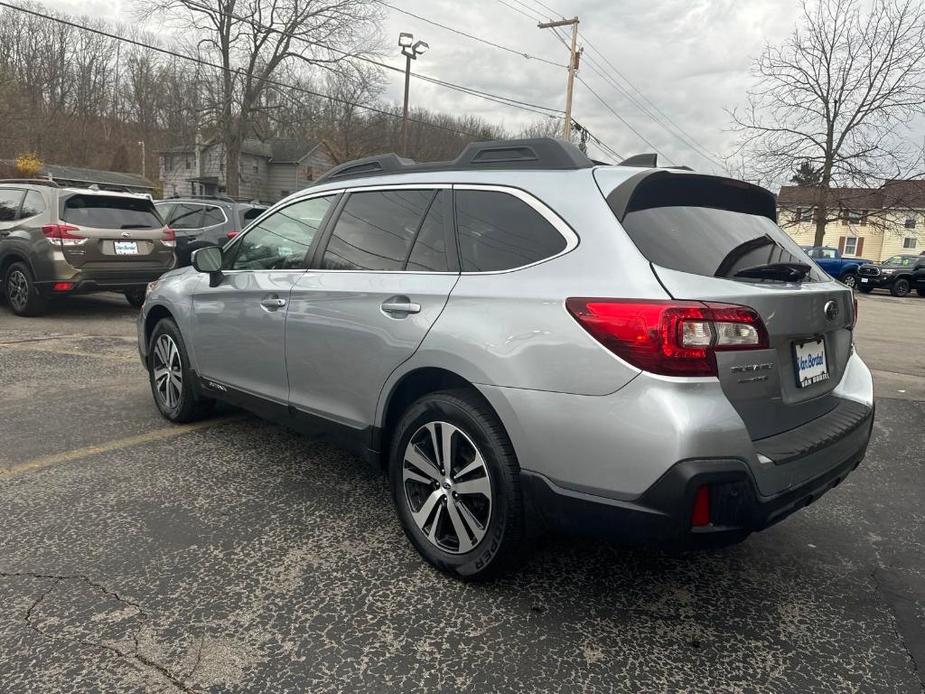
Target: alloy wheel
[
  {"x": 447, "y": 487},
  {"x": 168, "y": 371},
  {"x": 850, "y": 281},
  {"x": 18, "y": 289}
]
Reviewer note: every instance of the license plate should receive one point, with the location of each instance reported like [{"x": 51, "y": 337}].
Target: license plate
[
  {"x": 126, "y": 247},
  {"x": 864, "y": 280},
  {"x": 810, "y": 361}
]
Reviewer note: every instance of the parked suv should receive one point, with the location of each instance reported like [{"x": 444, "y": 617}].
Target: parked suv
[
  {"x": 899, "y": 273},
  {"x": 523, "y": 339},
  {"x": 59, "y": 241},
  {"x": 201, "y": 221}
]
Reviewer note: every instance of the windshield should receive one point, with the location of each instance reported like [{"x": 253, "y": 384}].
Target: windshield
[{"x": 901, "y": 260}]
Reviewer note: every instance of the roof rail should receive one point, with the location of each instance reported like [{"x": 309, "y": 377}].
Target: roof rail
[
  {"x": 224, "y": 198},
  {"x": 649, "y": 161},
  {"x": 544, "y": 153},
  {"x": 32, "y": 181}
]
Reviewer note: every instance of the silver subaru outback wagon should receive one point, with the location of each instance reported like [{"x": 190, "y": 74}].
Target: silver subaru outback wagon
[{"x": 524, "y": 339}]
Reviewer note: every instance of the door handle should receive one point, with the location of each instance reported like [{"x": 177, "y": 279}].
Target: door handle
[
  {"x": 400, "y": 305},
  {"x": 272, "y": 303}
]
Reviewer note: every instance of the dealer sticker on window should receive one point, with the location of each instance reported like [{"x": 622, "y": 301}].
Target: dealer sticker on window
[{"x": 810, "y": 362}]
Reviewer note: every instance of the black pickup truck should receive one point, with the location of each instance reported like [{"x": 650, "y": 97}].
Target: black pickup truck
[{"x": 899, "y": 273}]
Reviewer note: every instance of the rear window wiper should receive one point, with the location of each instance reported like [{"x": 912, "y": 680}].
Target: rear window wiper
[{"x": 785, "y": 272}]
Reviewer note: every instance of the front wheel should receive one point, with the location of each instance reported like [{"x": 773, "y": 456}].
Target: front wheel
[
  {"x": 171, "y": 379},
  {"x": 456, "y": 485},
  {"x": 900, "y": 287},
  {"x": 849, "y": 279}
]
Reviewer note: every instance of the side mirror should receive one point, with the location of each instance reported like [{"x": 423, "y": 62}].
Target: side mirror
[{"x": 208, "y": 260}]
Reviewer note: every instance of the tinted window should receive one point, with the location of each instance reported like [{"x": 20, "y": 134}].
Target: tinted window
[
  {"x": 376, "y": 229},
  {"x": 281, "y": 240},
  {"x": 9, "y": 204},
  {"x": 105, "y": 212},
  {"x": 429, "y": 250},
  {"x": 33, "y": 205},
  {"x": 497, "y": 231},
  {"x": 212, "y": 216},
  {"x": 186, "y": 216}
]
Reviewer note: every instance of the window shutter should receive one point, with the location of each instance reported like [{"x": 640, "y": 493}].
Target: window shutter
[
  {"x": 860, "y": 246},
  {"x": 841, "y": 245}
]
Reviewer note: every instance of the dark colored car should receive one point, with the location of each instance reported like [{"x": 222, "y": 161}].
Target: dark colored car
[
  {"x": 830, "y": 259},
  {"x": 899, "y": 273},
  {"x": 57, "y": 241},
  {"x": 200, "y": 221}
]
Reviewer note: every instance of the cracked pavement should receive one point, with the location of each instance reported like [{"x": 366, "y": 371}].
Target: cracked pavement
[{"x": 241, "y": 557}]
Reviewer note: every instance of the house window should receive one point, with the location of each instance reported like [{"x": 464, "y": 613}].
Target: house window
[
  {"x": 854, "y": 217},
  {"x": 256, "y": 168},
  {"x": 188, "y": 164},
  {"x": 910, "y": 222},
  {"x": 909, "y": 242},
  {"x": 851, "y": 246}
]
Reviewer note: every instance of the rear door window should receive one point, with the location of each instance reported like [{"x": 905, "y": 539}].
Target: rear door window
[
  {"x": 497, "y": 231},
  {"x": 186, "y": 216},
  {"x": 708, "y": 226},
  {"x": 429, "y": 251},
  {"x": 212, "y": 216},
  {"x": 376, "y": 229},
  {"x": 110, "y": 212},
  {"x": 33, "y": 205},
  {"x": 9, "y": 204}
]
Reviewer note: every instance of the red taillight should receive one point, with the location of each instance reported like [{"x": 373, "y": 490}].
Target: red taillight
[
  {"x": 231, "y": 234},
  {"x": 700, "y": 514},
  {"x": 169, "y": 238},
  {"x": 58, "y": 234},
  {"x": 673, "y": 338},
  {"x": 62, "y": 286}
]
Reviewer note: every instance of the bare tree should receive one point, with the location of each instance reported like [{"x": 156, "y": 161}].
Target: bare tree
[
  {"x": 254, "y": 41},
  {"x": 837, "y": 94}
]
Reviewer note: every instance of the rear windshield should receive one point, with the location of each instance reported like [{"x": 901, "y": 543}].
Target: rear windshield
[
  {"x": 705, "y": 227},
  {"x": 111, "y": 212}
]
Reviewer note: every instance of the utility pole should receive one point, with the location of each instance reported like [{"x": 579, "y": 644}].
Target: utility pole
[
  {"x": 572, "y": 69},
  {"x": 142, "y": 143}
]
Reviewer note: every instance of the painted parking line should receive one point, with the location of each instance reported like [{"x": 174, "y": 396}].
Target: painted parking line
[{"x": 107, "y": 446}]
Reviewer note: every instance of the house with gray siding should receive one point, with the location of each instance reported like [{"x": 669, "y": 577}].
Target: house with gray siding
[{"x": 268, "y": 170}]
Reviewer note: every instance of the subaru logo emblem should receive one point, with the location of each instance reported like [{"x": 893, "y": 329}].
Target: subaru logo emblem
[
  {"x": 125, "y": 234},
  {"x": 831, "y": 310}
]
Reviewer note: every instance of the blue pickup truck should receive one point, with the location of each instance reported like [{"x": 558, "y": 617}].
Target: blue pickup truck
[{"x": 845, "y": 270}]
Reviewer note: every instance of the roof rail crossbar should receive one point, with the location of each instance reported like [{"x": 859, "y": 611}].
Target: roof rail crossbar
[
  {"x": 542, "y": 153},
  {"x": 32, "y": 181},
  {"x": 649, "y": 160}
]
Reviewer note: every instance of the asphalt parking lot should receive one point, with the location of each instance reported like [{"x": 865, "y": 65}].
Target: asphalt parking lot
[{"x": 233, "y": 555}]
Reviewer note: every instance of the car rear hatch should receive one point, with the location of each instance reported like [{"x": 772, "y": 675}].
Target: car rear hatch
[
  {"x": 712, "y": 239},
  {"x": 101, "y": 231}
]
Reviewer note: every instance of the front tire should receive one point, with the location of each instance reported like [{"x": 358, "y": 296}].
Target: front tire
[
  {"x": 171, "y": 379},
  {"x": 135, "y": 297},
  {"x": 900, "y": 287},
  {"x": 20, "y": 292},
  {"x": 850, "y": 280},
  {"x": 456, "y": 485}
]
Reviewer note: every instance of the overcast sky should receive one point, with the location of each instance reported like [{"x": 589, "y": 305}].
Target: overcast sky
[{"x": 690, "y": 58}]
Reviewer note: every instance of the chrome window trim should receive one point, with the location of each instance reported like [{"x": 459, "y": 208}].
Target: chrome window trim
[{"x": 571, "y": 238}]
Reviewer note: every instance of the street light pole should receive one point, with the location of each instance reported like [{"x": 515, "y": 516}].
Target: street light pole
[
  {"x": 143, "y": 169},
  {"x": 411, "y": 51},
  {"x": 572, "y": 69},
  {"x": 404, "y": 110}
]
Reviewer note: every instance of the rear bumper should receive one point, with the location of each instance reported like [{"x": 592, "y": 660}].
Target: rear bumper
[
  {"x": 662, "y": 513},
  {"x": 89, "y": 282}
]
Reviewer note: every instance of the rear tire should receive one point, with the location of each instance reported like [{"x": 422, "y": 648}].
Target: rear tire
[
  {"x": 849, "y": 279},
  {"x": 172, "y": 381},
  {"x": 20, "y": 291},
  {"x": 135, "y": 297},
  {"x": 900, "y": 287},
  {"x": 473, "y": 526}
]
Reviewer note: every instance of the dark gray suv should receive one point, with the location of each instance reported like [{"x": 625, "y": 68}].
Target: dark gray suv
[
  {"x": 200, "y": 221},
  {"x": 58, "y": 241}
]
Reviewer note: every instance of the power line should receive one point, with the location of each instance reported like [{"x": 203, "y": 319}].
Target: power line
[
  {"x": 523, "y": 54},
  {"x": 532, "y": 19},
  {"x": 497, "y": 98},
  {"x": 200, "y": 61}
]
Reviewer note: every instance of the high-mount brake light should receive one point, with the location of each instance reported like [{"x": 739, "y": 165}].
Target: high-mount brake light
[{"x": 672, "y": 338}]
